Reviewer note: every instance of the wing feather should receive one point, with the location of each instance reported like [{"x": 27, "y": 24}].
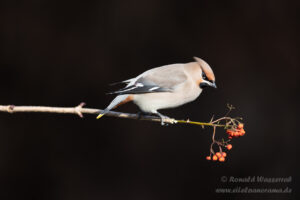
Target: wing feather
[{"x": 160, "y": 79}]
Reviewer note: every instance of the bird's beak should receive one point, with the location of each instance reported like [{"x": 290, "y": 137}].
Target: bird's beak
[
  {"x": 205, "y": 84},
  {"x": 213, "y": 85}
]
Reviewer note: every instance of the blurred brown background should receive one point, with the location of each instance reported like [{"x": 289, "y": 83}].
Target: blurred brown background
[{"x": 59, "y": 53}]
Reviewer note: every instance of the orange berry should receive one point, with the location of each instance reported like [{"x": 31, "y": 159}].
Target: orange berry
[
  {"x": 218, "y": 154},
  {"x": 215, "y": 158},
  {"x": 222, "y": 159},
  {"x": 230, "y": 137},
  {"x": 229, "y": 146},
  {"x": 242, "y": 132},
  {"x": 236, "y": 134},
  {"x": 230, "y": 132},
  {"x": 240, "y": 126},
  {"x": 208, "y": 158},
  {"x": 224, "y": 154}
]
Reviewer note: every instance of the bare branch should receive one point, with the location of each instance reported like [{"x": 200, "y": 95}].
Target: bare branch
[
  {"x": 233, "y": 127},
  {"x": 77, "y": 110}
]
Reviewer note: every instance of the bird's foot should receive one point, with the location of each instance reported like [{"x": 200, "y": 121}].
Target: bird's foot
[{"x": 165, "y": 120}]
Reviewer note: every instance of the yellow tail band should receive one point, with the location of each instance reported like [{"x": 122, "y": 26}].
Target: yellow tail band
[{"x": 99, "y": 116}]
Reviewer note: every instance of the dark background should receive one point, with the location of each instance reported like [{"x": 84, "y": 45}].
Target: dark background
[{"x": 59, "y": 53}]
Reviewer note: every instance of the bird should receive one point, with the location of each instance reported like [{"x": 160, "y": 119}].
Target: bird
[{"x": 164, "y": 87}]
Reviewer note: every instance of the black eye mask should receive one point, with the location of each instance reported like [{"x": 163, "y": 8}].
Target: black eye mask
[{"x": 205, "y": 77}]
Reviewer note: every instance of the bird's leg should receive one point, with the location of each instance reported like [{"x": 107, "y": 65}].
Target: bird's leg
[
  {"x": 141, "y": 114},
  {"x": 162, "y": 117}
]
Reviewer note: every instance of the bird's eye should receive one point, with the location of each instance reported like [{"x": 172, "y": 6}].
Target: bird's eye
[{"x": 204, "y": 76}]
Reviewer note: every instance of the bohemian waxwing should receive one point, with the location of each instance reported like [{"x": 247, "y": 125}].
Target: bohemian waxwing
[{"x": 164, "y": 87}]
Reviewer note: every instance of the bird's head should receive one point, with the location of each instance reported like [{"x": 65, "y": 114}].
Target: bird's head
[{"x": 207, "y": 78}]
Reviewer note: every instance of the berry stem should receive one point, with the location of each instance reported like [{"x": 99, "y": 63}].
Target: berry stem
[{"x": 201, "y": 123}]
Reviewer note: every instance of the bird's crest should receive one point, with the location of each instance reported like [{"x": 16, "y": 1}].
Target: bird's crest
[{"x": 206, "y": 69}]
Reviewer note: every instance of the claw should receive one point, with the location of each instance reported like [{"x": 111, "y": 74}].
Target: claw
[{"x": 165, "y": 120}]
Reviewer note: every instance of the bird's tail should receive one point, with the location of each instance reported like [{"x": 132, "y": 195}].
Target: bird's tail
[{"x": 117, "y": 101}]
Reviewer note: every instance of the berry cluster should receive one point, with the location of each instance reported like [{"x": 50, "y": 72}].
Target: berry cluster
[
  {"x": 219, "y": 155},
  {"x": 236, "y": 132}
]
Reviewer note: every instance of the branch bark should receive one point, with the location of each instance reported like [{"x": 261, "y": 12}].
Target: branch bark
[{"x": 79, "y": 110}]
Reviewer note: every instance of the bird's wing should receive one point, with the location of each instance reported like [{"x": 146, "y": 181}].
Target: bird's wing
[
  {"x": 122, "y": 82},
  {"x": 161, "y": 79}
]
